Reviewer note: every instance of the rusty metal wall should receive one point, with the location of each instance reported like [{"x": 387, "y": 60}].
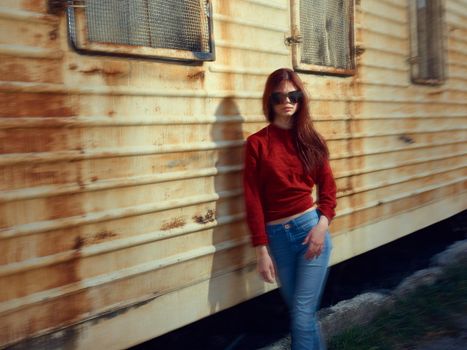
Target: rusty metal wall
[{"x": 121, "y": 204}]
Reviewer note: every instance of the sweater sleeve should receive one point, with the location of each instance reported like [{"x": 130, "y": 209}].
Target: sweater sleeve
[
  {"x": 326, "y": 191},
  {"x": 253, "y": 204}
]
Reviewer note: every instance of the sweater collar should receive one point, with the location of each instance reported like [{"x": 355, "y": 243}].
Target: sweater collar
[{"x": 278, "y": 130}]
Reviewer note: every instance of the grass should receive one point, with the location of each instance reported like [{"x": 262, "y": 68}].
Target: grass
[{"x": 428, "y": 312}]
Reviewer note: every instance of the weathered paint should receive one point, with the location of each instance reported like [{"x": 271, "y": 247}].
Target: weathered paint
[{"x": 120, "y": 187}]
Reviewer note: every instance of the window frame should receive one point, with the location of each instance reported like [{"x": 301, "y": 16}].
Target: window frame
[
  {"x": 414, "y": 46},
  {"x": 297, "y": 39},
  {"x": 78, "y": 37}
]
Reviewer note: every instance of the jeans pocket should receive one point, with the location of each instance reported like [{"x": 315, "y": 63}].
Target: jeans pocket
[{"x": 307, "y": 226}]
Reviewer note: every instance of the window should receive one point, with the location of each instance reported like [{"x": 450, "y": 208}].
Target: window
[
  {"x": 167, "y": 29},
  {"x": 322, "y": 36},
  {"x": 427, "y": 61}
]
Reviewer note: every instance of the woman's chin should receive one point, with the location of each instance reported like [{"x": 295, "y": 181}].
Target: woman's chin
[{"x": 287, "y": 115}]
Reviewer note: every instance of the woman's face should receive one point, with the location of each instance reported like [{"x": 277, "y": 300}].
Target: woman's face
[{"x": 283, "y": 107}]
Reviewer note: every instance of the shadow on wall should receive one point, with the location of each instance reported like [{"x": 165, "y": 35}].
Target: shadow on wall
[{"x": 228, "y": 257}]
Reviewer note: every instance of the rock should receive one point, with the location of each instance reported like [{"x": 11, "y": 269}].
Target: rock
[
  {"x": 356, "y": 311},
  {"x": 452, "y": 255},
  {"x": 420, "y": 278},
  {"x": 282, "y": 344}
]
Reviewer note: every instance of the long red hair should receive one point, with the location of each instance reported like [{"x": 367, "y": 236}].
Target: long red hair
[{"x": 311, "y": 146}]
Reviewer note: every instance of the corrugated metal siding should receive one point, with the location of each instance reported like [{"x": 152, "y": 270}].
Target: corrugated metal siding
[{"x": 121, "y": 193}]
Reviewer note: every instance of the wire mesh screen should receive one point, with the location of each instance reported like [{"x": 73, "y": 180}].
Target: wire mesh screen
[
  {"x": 168, "y": 24},
  {"x": 429, "y": 39},
  {"x": 325, "y": 27}
]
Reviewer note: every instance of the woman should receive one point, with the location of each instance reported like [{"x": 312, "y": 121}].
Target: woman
[{"x": 283, "y": 162}]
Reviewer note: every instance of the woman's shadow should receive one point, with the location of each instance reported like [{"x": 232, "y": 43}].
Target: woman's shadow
[
  {"x": 233, "y": 272},
  {"x": 227, "y": 134}
]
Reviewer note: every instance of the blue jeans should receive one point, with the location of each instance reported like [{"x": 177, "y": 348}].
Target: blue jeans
[{"x": 301, "y": 280}]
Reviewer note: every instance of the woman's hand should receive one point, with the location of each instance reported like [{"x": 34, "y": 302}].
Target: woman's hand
[
  {"x": 315, "y": 238},
  {"x": 265, "y": 265}
]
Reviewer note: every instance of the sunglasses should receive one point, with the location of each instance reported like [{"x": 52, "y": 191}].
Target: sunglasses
[{"x": 294, "y": 97}]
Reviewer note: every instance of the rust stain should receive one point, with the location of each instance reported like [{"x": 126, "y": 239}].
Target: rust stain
[
  {"x": 72, "y": 66},
  {"x": 96, "y": 238},
  {"x": 174, "y": 163},
  {"x": 35, "y": 105},
  {"x": 79, "y": 180},
  {"x": 174, "y": 223},
  {"x": 41, "y": 279},
  {"x": 406, "y": 138},
  {"x": 31, "y": 140},
  {"x": 28, "y": 322},
  {"x": 53, "y": 34},
  {"x": 224, "y": 7},
  {"x": 104, "y": 71},
  {"x": 197, "y": 75},
  {"x": 36, "y": 174},
  {"x": 34, "y": 5},
  {"x": 113, "y": 72},
  {"x": 23, "y": 69},
  {"x": 353, "y": 109},
  {"x": 56, "y": 7},
  {"x": 225, "y": 29},
  {"x": 63, "y": 206},
  {"x": 210, "y": 216},
  {"x": 94, "y": 178},
  {"x": 38, "y": 245},
  {"x": 434, "y": 93},
  {"x": 347, "y": 187},
  {"x": 359, "y": 51},
  {"x": 79, "y": 243},
  {"x": 101, "y": 236}
]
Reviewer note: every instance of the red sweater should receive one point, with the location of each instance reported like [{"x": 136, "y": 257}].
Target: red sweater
[{"x": 276, "y": 184}]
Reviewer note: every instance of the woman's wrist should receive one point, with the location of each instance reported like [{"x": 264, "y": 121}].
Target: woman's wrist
[
  {"x": 261, "y": 250},
  {"x": 323, "y": 221}
]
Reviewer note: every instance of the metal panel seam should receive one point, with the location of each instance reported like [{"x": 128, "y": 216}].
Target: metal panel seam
[{"x": 106, "y": 215}]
